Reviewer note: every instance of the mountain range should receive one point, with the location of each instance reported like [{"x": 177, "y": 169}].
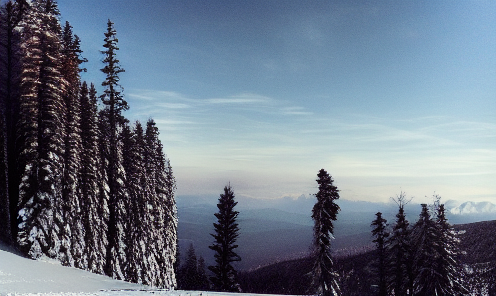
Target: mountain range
[{"x": 276, "y": 230}]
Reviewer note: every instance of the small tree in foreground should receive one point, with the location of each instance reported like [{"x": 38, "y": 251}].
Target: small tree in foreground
[
  {"x": 226, "y": 233},
  {"x": 324, "y": 213}
]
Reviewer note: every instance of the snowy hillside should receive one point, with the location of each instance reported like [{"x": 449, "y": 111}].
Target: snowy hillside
[{"x": 21, "y": 276}]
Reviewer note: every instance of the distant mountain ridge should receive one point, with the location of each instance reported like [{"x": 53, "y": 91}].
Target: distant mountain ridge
[
  {"x": 470, "y": 207},
  {"x": 274, "y": 230}
]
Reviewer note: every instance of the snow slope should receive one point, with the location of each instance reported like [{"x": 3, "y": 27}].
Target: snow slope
[{"x": 22, "y": 277}]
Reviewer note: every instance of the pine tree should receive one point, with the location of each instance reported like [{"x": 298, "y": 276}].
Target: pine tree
[
  {"x": 114, "y": 105},
  {"x": 11, "y": 14},
  {"x": 425, "y": 239},
  {"x": 136, "y": 229},
  {"x": 41, "y": 125},
  {"x": 400, "y": 279},
  {"x": 73, "y": 232},
  {"x": 380, "y": 233},
  {"x": 161, "y": 215},
  {"x": 226, "y": 233},
  {"x": 92, "y": 202},
  {"x": 203, "y": 282},
  {"x": 190, "y": 271},
  {"x": 103, "y": 189},
  {"x": 324, "y": 213},
  {"x": 448, "y": 267}
]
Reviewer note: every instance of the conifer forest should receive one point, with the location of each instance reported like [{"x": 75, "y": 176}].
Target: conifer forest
[
  {"x": 83, "y": 185},
  {"x": 79, "y": 184}
]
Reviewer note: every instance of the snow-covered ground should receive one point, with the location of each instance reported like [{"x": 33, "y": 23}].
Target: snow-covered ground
[{"x": 21, "y": 276}]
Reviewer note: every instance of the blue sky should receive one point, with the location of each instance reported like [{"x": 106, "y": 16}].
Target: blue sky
[{"x": 387, "y": 96}]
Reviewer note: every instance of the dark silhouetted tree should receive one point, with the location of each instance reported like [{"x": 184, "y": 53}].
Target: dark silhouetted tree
[
  {"x": 324, "y": 213},
  {"x": 380, "y": 233},
  {"x": 11, "y": 15},
  {"x": 400, "y": 279},
  {"x": 114, "y": 105},
  {"x": 226, "y": 233}
]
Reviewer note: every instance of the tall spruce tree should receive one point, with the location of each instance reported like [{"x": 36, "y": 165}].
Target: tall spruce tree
[
  {"x": 136, "y": 227},
  {"x": 425, "y": 237},
  {"x": 72, "y": 211},
  {"x": 324, "y": 212},
  {"x": 226, "y": 234},
  {"x": 41, "y": 125},
  {"x": 91, "y": 204},
  {"x": 448, "y": 267},
  {"x": 380, "y": 233},
  {"x": 400, "y": 279},
  {"x": 11, "y": 15},
  {"x": 114, "y": 105}
]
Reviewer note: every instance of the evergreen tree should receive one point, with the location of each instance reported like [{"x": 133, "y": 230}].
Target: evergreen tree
[
  {"x": 103, "y": 188},
  {"x": 136, "y": 207},
  {"x": 448, "y": 268},
  {"x": 114, "y": 105},
  {"x": 226, "y": 233},
  {"x": 190, "y": 271},
  {"x": 203, "y": 282},
  {"x": 400, "y": 279},
  {"x": 73, "y": 231},
  {"x": 41, "y": 125},
  {"x": 324, "y": 213},
  {"x": 11, "y": 14},
  {"x": 425, "y": 239},
  {"x": 380, "y": 233},
  {"x": 161, "y": 212},
  {"x": 91, "y": 198}
]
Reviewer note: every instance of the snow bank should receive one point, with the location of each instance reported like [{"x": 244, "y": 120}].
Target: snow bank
[
  {"x": 25, "y": 277},
  {"x": 21, "y": 275}
]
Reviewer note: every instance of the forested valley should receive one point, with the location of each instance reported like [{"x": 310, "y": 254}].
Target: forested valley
[{"x": 82, "y": 184}]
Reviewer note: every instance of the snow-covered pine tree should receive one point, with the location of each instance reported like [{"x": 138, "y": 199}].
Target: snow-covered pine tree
[
  {"x": 91, "y": 205},
  {"x": 103, "y": 188},
  {"x": 226, "y": 233},
  {"x": 166, "y": 213},
  {"x": 11, "y": 13},
  {"x": 114, "y": 105},
  {"x": 136, "y": 229},
  {"x": 400, "y": 278},
  {"x": 381, "y": 234},
  {"x": 42, "y": 126},
  {"x": 149, "y": 264},
  {"x": 161, "y": 213},
  {"x": 324, "y": 212},
  {"x": 448, "y": 267},
  {"x": 425, "y": 238},
  {"x": 71, "y": 199}
]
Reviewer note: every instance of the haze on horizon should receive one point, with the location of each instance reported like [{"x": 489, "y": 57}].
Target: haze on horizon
[{"x": 387, "y": 96}]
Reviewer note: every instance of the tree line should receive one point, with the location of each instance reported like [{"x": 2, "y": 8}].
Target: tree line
[
  {"x": 78, "y": 183},
  {"x": 423, "y": 259}
]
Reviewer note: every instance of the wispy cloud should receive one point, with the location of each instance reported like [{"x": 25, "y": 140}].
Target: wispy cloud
[
  {"x": 245, "y": 98},
  {"x": 295, "y": 111}
]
